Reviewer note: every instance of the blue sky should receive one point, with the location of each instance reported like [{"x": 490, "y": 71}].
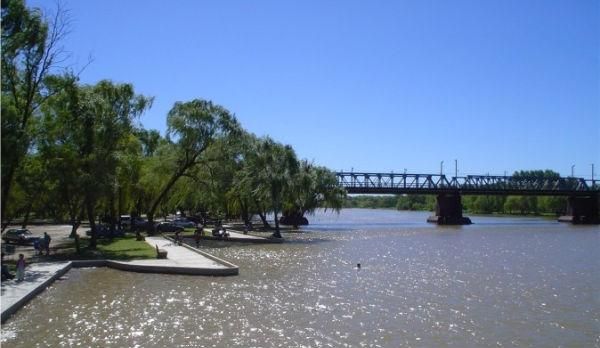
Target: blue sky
[{"x": 369, "y": 85}]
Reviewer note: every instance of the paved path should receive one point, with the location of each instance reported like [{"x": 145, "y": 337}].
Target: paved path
[
  {"x": 181, "y": 255},
  {"x": 38, "y": 276},
  {"x": 180, "y": 260},
  {"x": 58, "y": 233},
  {"x": 235, "y": 236}
]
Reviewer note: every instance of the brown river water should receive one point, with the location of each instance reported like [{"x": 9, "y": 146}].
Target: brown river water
[{"x": 501, "y": 282}]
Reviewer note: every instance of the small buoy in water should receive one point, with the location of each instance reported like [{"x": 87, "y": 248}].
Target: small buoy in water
[{"x": 358, "y": 265}]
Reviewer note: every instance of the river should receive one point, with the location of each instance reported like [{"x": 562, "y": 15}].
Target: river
[{"x": 501, "y": 282}]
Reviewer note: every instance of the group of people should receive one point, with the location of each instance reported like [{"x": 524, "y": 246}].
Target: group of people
[
  {"x": 218, "y": 231},
  {"x": 198, "y": 233},
  {"x": 42, "y": 244}
]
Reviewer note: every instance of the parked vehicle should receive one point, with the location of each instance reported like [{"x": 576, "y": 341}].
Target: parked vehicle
[
  {"x": 126, "y": 221},
  {"x": 19, "y": 236},
  {"x": 103, "y": 231},
  {"x": 168, "y": 226},
  {"x": 195, "y": 219},
  {"x": 132, "y": 223},
  {"x": 183, "y": 222},
  {"x": 141, "y": 225},
  {"x": 220, "y": 232}
]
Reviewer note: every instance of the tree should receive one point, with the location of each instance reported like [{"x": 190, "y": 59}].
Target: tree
[
  {"x": 312, "y": 187},
  {"x": 415, "y": 202},
  {"x": 268, "y": 172},
  {"x": 30, "y": 51},
  {"x": 194, "y": 125},
  {"x": 88, "y": 129}
]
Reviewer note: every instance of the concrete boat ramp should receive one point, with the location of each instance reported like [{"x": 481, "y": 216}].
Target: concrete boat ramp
[
  {"x": 181, "y": 259},
  {"x": 237, "y": 236}
]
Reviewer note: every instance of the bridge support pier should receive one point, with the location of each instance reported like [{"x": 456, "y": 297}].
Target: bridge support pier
[
  {"x": 582, "y": 210},
  {"x": 448, "y": 210}
]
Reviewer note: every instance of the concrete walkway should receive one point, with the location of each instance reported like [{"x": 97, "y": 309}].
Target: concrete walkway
[
  {"x": 236, "y": 236},
  {"x": 180, "y": 260},
  {"x": 183, "y": 256},
  {"x": 38, "y": 276}
]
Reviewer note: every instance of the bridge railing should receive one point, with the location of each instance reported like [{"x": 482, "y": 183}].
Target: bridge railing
[{"x": 488, "y": 183}]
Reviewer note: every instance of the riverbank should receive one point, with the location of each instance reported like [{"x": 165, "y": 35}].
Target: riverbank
[{"x": 181, "y": 259}]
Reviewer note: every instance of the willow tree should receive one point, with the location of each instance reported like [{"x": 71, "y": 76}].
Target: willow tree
[
  {"x": 241, "y": 197},
  {"x": 193, "y": 126},
  {"x": 312, "y": 187},
  {"x": 89, "y": 128},
  {"x": 30, "y": 51}
]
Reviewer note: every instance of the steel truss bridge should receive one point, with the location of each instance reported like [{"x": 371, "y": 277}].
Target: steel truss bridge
[{"x": 393, "y": 183}]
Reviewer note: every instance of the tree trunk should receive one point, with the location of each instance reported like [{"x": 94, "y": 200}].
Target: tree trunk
[
  {"x": 111, "y": 211},
  {"x": 160, "y": 197},
  {"x": 92, "y": 219},
  {"x": 5, "y": 224},
  {"x": 277, "y": 233},
  {"x": 27, "y": 212},
  {"x": 76, "y": 221},
  {"x": 245, "y": 214},
  {"x": 263, "y": 217},
  {"x": 74, "y": 228},
  {"x": 6, "y": 186},
  {"x": 120, "y": 207}
]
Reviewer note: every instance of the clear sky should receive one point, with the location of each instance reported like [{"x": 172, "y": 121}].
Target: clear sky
[{"x": 499, "y": 85}]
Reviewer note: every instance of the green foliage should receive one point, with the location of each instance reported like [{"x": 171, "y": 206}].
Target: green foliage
[
  {"x": 370, "y": 201},
  {"x": 484, "y": 204},
  {"x": 400, "y": 202},
  {"x": 313, "y": 187},
  {"x": 268, "y": 171},
  {"x": 30, "y": 50},
  {"x": 416, "y": 202},
  {"x": 194, "y": 126}
]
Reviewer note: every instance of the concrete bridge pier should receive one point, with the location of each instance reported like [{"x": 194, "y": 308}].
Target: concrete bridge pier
[
  {"x": 582, "y": 210},
  {"x": 448, "y": 210}
]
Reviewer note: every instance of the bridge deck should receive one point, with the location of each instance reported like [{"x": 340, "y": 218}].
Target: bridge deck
[{"x": 391, "y": 183}]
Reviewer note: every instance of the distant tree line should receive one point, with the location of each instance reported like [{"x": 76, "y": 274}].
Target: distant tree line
[{"x": 74, "y": 152}]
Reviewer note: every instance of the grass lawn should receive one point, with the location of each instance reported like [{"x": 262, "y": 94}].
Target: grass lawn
[
  {"x": 126, "y": 248},
  {"x": 123, "y": 248}
]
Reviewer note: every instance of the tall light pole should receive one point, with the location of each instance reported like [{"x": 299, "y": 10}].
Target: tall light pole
[
  {"x": 592, "y": 174},
  {"x": 442, "y": 168},
  {"x": 573, "y": 171},
  {"x": 456, "y": 168}
]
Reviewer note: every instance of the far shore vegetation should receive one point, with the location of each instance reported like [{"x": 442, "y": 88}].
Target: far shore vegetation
[{"x": 510, "y": 205}]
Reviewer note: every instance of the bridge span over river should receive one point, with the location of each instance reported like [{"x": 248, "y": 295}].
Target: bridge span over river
[{"x": 582, "y": 194}]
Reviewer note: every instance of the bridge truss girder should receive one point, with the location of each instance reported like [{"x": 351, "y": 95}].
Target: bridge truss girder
[{"x": 380, "y": 183}]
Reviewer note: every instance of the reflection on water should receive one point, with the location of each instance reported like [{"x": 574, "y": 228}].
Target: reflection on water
[{"x": 502, "y": 282}]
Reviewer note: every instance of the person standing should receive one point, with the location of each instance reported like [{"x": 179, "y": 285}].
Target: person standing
[
  {"x": 37, "y": 246},
  {"x": 21, "y": 268},
  {"x": 197, "y": 235},
  {"x": 47, "y": 240},
  {"x": 178, "y": 237}
]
